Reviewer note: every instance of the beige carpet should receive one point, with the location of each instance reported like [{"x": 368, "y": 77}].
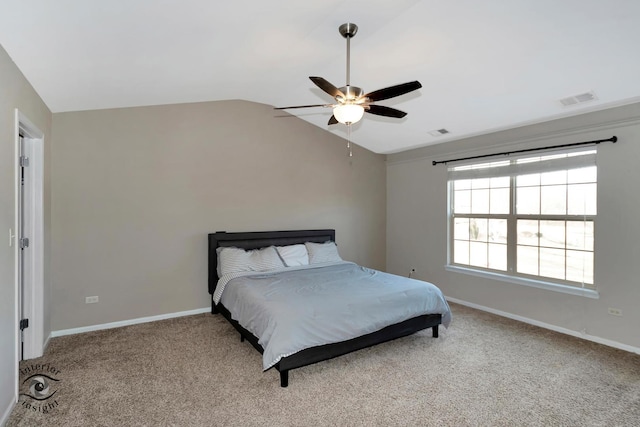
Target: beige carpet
[{"x": 194, "y": 371}]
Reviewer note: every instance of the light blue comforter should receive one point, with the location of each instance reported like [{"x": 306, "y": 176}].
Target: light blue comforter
[{"x": 296, "y": 308}]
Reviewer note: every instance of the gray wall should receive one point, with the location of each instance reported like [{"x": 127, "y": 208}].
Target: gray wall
[
  {"x": 417, "y": 222},
  {"x": 16, "y": 92},
  {"x": 136, "y": 190}
]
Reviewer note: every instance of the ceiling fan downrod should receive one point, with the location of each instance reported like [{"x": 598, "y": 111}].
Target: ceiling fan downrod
[{"x": 348, "y": 31}]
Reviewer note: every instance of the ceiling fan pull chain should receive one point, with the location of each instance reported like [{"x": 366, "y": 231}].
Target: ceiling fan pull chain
[{"x": 349, "y": 140}]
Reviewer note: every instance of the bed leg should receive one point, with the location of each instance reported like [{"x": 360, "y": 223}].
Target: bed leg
[
  {"x": 213, "y": 307},
  {"x": 435, "y": 331},
  {"x": 241, "y": 338},
  {"x": 284, "y": 378}
]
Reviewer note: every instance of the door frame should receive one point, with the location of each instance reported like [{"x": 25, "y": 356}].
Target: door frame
[{"x": 34, "y": 291}]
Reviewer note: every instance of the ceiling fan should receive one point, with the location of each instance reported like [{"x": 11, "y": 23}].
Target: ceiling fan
[{"x": 351, "y": 101}]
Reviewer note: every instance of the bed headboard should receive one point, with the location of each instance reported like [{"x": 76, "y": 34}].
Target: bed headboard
[{"x": 259, "y": 239}]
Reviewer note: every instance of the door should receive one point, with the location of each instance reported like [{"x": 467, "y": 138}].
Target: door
[{"x": 29, "y": 240}]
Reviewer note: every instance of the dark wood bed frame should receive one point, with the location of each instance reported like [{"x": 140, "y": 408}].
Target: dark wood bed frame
[{"x": 255, "y": 240}]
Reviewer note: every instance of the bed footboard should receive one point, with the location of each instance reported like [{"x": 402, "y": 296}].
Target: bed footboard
[{"x": 329, "y": 351}]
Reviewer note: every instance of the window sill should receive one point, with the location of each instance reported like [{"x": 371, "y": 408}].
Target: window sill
[{"x": 565, "y": 289}]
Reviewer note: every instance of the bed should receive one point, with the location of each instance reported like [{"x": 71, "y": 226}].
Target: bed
[{"x": 332, "y": 345}]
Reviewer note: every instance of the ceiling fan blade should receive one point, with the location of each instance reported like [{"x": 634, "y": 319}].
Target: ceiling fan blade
[
  {"x": 303, "y": 106},
  {"x": 333, "y": 120},
  {"x": 381, "y": 110},
  {"x": 327, "y": 87},
  {"x": 393, "y": 91}
]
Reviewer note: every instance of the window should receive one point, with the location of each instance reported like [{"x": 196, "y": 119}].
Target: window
[{"x": 530, "y": 217}]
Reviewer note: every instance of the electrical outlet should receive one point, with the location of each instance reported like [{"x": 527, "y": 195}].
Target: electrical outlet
[
  {"x": 615, "y": 311},
  {"x": 91, "y": 300}
]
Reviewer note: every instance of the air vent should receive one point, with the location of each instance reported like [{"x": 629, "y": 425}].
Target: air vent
[
  {"x": 578, "y": 99},
  {"x": 438, "y": 132}
]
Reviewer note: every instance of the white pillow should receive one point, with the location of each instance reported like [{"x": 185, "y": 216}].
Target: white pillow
[
  {"x": 322, "y": 252},
  {"x": 293, "y": 255},
  {"x": 236, "y": 260}
]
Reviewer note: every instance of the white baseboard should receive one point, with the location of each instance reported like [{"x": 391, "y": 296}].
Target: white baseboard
[
  {"x": 119, "y": 324},
  {"x": 7, "y": 412},
  {"x": 46, "y": 343},
  {"x": 555, "y": 328}
]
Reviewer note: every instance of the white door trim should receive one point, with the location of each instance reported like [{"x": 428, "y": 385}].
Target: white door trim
[{"x": 34, "y": 296}]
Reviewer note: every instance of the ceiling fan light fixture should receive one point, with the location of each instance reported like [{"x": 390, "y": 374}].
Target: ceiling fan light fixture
[{"x": 348, "y": 113}]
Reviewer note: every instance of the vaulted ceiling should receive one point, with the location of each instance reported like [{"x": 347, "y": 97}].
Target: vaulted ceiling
[{"x": 484, "y": 66}]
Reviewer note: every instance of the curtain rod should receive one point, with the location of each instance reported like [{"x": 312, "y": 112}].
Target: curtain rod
[{"x": 613, "y": 139}]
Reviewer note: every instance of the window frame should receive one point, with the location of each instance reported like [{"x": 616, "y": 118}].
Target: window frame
[{"x": 511, "y": 274}]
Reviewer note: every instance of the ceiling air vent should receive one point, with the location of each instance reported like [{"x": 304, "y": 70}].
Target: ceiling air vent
[
  {"x": 438, "y": 132},
  {"x": 578, "y": 99}
]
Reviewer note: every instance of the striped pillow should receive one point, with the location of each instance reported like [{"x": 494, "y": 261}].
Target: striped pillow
[
  {"x": 322, "y": 252},
  {"x": 236, "y": 260}
]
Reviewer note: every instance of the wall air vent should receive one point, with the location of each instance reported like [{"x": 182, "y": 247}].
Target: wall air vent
[
  {"x": 578, "y": 99},
  {"x": 438, "y": 132}
]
